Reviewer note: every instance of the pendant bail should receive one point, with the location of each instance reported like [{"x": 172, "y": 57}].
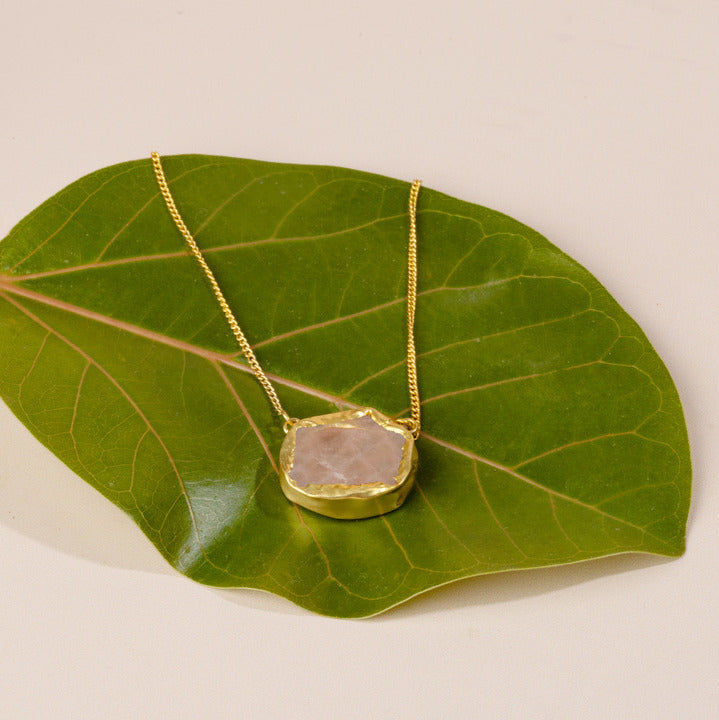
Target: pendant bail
[
  {"x": 411, "y": 424},
  {"x": 288, "y": 423}
]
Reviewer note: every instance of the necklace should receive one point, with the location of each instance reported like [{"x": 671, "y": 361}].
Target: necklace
[{"x": 350, "y": 464}]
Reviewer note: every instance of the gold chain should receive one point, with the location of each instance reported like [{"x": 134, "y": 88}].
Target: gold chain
[{"x": 412, "y": 423}]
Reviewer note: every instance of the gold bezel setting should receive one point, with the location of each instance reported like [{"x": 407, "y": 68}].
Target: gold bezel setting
[{"x": 348, "y": 502}]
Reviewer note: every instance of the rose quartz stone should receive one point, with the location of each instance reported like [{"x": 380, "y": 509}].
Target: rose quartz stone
[{"x": 356, "y": 452}]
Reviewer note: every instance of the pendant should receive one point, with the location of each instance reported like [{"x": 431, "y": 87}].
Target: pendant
[{"x": 348, "y": 465}]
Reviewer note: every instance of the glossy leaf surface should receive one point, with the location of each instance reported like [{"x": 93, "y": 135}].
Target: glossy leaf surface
[{"x": 552, "y": 431}]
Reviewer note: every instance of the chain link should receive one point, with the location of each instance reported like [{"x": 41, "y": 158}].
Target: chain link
[{"x": 413, "y": 423}]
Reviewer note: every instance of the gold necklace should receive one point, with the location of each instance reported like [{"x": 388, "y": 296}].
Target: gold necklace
[{"x": 350, "y": 464}]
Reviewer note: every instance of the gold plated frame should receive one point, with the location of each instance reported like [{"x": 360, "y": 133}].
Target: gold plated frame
[{"x": 349, "y": 502}]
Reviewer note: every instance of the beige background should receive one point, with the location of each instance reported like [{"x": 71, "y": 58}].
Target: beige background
[{"x": 595, "y": 122}]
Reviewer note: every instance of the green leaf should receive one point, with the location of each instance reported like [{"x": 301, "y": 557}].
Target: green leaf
[{"x": 552, "y": 431}]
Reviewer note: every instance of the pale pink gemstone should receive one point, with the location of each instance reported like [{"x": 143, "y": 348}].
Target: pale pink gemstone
[{"x": 353, "y": 452}]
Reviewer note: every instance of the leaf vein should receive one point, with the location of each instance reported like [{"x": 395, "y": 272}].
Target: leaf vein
[
  {"x": 69, "y": 217},
  {"x": 153, "y": 197},
  {"x": 130, "y": 400},
  {"x": 493, "y": 514},
  {"x": 513, "y": 473}
]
